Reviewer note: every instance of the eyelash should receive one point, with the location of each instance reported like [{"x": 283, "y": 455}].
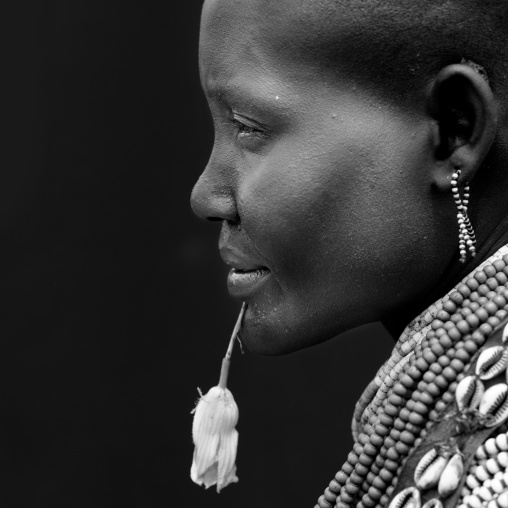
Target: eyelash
[{"x": 244, "y": 129}]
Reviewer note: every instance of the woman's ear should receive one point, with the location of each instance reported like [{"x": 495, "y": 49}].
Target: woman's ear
[{"x": 464, "y": 109}]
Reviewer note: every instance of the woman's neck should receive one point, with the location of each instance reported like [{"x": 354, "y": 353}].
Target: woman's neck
[{"x": 453, "y": 274}]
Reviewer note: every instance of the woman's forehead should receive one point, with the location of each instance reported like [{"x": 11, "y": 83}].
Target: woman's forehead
[
  {"x": 322, "y": 34},
  {"x": 262, "y": 33},
  {"x": 258, "y": 44},
  {"x": 235, "y": 40},
  {"x": 397, "y": 44},
  {"x": 281, "y": 24}
]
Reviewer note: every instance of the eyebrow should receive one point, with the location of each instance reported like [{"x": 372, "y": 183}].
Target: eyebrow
[{"x": 233, "y": 92}]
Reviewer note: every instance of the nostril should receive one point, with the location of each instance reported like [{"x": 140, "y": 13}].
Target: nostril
[{"x": 213, "y": 201}]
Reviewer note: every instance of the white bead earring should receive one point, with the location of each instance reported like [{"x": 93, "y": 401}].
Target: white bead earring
[{"x": 467, "y": 239}]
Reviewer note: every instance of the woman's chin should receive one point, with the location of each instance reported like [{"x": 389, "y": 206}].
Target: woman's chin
[
  {"x": 271, "y": 334},
  {"x": 288, "y": 327},
  {"x": 267, "y": 342}
]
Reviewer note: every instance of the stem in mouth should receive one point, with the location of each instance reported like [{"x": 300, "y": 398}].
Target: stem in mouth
[{"x": 227, "y": 359}]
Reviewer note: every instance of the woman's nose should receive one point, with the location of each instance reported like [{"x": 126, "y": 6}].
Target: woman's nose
[{"x": 212, "y": 197}]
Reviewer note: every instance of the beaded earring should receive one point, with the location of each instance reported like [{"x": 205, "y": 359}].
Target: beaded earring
[{"x": 467, "y": 239}]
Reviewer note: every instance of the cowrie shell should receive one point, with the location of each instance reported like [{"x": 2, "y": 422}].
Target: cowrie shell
[
  {"x": 494, "y": 404},
  {"x": 468, "y": 393},
  {"x": 407, "y": 498},
  {"x": 491, "y": 362},
  {"x": 451, "y": 476},
  {"x": 429, "y": 469}
]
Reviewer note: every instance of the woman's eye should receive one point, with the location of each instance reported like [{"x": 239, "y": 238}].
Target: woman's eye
[{"x": 245, "y": 127}]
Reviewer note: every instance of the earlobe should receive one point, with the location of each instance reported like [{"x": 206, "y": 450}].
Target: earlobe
[{"x": 463, "y": 109}]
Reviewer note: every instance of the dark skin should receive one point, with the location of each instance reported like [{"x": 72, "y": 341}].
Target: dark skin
[
  {"x": 465, "y": 142},
  {"x": 334, "y": 195}
]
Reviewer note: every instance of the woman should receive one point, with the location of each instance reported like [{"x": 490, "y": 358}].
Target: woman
[{"x": 347, "y": 134}]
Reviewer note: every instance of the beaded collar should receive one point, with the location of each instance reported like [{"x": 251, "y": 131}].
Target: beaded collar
[
  {"x": 391, "y": 371},
  {"x": 417, "y": 383}
]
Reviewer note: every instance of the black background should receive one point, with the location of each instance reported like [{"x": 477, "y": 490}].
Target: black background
[{"x": 114, "y": 306}]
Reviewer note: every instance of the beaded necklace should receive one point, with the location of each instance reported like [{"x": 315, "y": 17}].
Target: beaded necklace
[{"x": 415, "y": 385}]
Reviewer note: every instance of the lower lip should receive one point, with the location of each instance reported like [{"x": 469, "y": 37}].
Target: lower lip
[{"x": 243, "y": 284}]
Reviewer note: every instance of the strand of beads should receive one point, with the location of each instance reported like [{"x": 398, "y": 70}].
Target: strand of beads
[
  {"x": 490, "y": 460},
  {"x": 493, "y": 492},
  {"x": 396, "y": 444},
  {"x": 404, "y": 425},
  {"x": 426, "y": 385},
  {"x": 407, "y": 427},
  {"x": 377, "y": 390},
  {"x": 467, "y": 238},
  {"x": 475, "y": 405},
  {"x": 414, "y": 332},
  {"x": 407, "y": 431}
]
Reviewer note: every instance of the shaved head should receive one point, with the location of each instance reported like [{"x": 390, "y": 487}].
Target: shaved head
[{"x": 400, "y": 45}]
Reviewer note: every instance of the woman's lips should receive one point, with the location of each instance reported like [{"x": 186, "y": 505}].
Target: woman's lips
[{"x": 242, "y": 283}]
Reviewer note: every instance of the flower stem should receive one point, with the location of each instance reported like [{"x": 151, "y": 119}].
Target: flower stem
[{"x": 227, "y": 359}]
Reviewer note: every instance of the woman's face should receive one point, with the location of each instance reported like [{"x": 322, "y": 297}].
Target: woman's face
[{"x": 323, "y": 188}]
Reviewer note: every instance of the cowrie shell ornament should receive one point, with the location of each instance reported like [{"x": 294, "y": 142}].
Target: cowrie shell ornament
[
  {"x": 407, "y": 498},
  {"x": 468, "y": 393},
  {"x": 451, "y": 476},
  {"x": 492, "y": 362},
  {"x": 429, "y": 469},
  {"x": 494, "y": 405}
]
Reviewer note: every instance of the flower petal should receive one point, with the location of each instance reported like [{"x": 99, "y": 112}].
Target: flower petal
[
  {"x": 227, "y": 457},
  {"x": 215, "y": 412},
  {"x": 205, "y": 453},
  {"x": 215, "y": 439},
  {"x": 210, "y": 476}
]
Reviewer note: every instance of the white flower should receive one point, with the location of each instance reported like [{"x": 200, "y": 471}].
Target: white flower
[
  {"x": 215, "y": 439},
  {"x": 213, "y": 429}
]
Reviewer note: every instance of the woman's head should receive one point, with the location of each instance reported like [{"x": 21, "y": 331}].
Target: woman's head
[{"x": 338, "y": 127}]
